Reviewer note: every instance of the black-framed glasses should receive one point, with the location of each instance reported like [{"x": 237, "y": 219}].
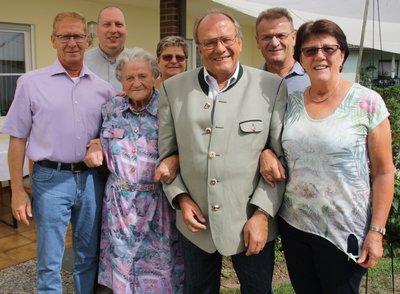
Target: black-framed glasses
[
  {"x": 169, "y": 57},
  {"x": 278, "y": 36},
  {"x": 78, "y": 38},
  {"x": 213, "y": 43},
  {"x": 327, "y": 50}
]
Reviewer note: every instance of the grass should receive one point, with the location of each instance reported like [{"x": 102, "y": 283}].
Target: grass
[{"x": 379, "y": 280}]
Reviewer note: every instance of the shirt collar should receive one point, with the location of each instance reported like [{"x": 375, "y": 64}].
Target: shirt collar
[
  {"x": 297, "y": 69},
  {"x": 213, "y": 84},
  {"x": 151, "y": 107},
  {"x": 58, "y": 68},
  {"x": 105, "y": 56}
]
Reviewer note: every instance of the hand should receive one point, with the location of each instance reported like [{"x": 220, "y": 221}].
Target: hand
[
  {"x": 94, "y": 154},
  {"x": 372, "y": 250},
  {"x": 191, "y": 213},
  {"x": 121, "y": 94},
  {"x": 21, "y": 206},
  {"x": 271, "y": 168},
  {"x": 167, "y": 170},
  {"x": 255, "y": 233}
]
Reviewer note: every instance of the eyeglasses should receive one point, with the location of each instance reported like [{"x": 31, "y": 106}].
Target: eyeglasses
[
  {"x": 169, "y": 57},
  {"x": 327, "y": 50},
  {"x": 77, "y": 38},
  {"x": 213, "y": 43},
  {"x": 279, "y": 36}
]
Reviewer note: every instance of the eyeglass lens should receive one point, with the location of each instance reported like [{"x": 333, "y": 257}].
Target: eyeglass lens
[
  {"x": 326, "y": 50},
  {"x": 77, "y": 38},
  {"x": 169, "y": 57}
]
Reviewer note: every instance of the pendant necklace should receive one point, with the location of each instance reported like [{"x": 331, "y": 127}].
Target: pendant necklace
[{"x": 323, "y": 98}]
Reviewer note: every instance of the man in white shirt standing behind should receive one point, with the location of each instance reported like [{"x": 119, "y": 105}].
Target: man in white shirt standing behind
[{"x": 111, "y": 32}]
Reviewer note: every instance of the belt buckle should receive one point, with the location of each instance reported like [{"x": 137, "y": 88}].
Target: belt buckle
[
  {"x": 123, "y": 185},
  {"x": 73, "y": 166}
]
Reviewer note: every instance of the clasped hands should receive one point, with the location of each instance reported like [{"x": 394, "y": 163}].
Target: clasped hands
[
  {"x": 271, "y": 168},
  {"x": 255, "y": 231}
]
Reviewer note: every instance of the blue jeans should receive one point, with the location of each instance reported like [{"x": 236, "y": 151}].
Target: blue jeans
[
  {"x": 60, "y": 197},
  {"x": 203, "y": 270}
]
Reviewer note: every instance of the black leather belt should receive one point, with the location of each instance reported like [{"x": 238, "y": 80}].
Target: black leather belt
[{"x": 74, "y": 167}]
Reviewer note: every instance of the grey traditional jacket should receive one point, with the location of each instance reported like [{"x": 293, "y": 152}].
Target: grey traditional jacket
[{"x": 219, "y": 144}]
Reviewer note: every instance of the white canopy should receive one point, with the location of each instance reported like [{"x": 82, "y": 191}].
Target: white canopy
[{"x": 348, "y": 14}]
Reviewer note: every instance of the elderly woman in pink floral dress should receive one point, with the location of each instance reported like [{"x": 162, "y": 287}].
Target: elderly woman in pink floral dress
[{"x": 139, "y": 249}]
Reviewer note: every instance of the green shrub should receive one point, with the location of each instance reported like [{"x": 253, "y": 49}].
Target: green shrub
[{"x": 391, "y": 95}]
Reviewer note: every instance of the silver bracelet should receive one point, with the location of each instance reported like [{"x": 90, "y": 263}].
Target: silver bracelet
[{"x": 381, "y": 231}]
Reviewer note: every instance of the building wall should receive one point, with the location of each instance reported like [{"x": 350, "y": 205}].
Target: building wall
[{"x": 143, "y": 26}]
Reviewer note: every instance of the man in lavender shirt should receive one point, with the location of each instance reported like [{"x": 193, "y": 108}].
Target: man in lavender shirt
[{"x": 55, "y": 114}]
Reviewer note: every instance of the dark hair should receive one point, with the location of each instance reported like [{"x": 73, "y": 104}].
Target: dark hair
[
  {"x": 317, "y": 28},
  {"x": 172, "y": 41}
]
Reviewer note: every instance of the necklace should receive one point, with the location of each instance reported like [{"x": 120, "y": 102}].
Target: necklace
[{"x": 323, "y": 98}]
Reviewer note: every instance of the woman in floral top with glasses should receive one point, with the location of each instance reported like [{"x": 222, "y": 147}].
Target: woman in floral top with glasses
[{"x": 340, "y": 182}]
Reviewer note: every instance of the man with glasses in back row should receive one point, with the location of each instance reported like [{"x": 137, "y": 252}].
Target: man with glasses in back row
[
  {"x": 276, "y": 36},
  {"x": 57, "y": 110},
  {"x": 219, "y": 118}
]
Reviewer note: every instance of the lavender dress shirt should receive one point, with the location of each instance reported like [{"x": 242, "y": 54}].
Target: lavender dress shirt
[{"x": 58, "y": 115}]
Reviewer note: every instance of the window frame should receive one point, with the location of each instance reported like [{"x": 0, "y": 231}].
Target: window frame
[{"x": 28, "y": 32}]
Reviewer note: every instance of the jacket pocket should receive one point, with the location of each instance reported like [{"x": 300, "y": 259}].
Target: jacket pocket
[{"x": 251, "y": 126}]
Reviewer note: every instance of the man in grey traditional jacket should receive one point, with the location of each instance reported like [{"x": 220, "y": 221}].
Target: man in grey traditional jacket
[{"x": 219, "y": 118}]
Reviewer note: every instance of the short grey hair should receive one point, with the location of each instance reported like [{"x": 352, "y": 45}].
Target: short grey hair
[
  {"x": 215, "y": 11},
  {"x": 274, "y": 13},
  {"x": 172, "y": 41},
  {"x": 131, "y": 54}
]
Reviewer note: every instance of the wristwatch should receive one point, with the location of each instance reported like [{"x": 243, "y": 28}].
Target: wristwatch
[{"x": 381, "y": 231}]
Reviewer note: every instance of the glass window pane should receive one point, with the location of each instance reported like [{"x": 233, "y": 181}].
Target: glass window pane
[
  {"x": 14, "y": 49},
  {"x": 12, "y": 52}
]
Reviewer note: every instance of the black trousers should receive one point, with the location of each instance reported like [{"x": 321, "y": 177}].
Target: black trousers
[
  {"x": 317, "y": 266},
  {"x": 203, "y": 270}
]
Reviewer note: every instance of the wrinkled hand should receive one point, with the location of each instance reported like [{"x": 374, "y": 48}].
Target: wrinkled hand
[
  {"x": 167, "y": 170},
  {"x": 255, "y": 233},
  {"x": 372, "y": 250},
  {"x": 121, "y": 94},
  {"x": 21, "y": 206},
  {"x": 94, "y": 154},
  {"x": 191, "y": 213},
  {"x": 271, "y": 168}
]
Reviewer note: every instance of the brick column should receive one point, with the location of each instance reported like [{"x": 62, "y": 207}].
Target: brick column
[{"x": 172, "y": 18}]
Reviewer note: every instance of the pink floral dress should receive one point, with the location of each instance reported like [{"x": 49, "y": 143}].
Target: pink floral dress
[{"x": 139, "y": 248}]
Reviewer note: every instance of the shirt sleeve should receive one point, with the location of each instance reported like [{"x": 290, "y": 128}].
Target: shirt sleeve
[{"x": 18, "y": 121}]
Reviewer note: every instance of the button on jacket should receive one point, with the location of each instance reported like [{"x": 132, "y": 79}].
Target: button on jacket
[{"x": 219, "y": 148}]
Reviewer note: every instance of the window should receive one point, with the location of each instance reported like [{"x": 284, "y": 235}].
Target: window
[
  {"x": 388, "y": 68},
  {"x": 15, "y": 60},
  {"x": 194, "y": 60}
]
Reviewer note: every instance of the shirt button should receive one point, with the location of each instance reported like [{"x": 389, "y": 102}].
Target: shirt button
[
  {"x": 215, "y": 207},
  {"x": 208, "y": 130},
  {"x": 213, "y": 182},
  {"x": 136, "y": 130},
  {"x": 211, "y": 154},
  {"x": 207, "y": 105}
]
